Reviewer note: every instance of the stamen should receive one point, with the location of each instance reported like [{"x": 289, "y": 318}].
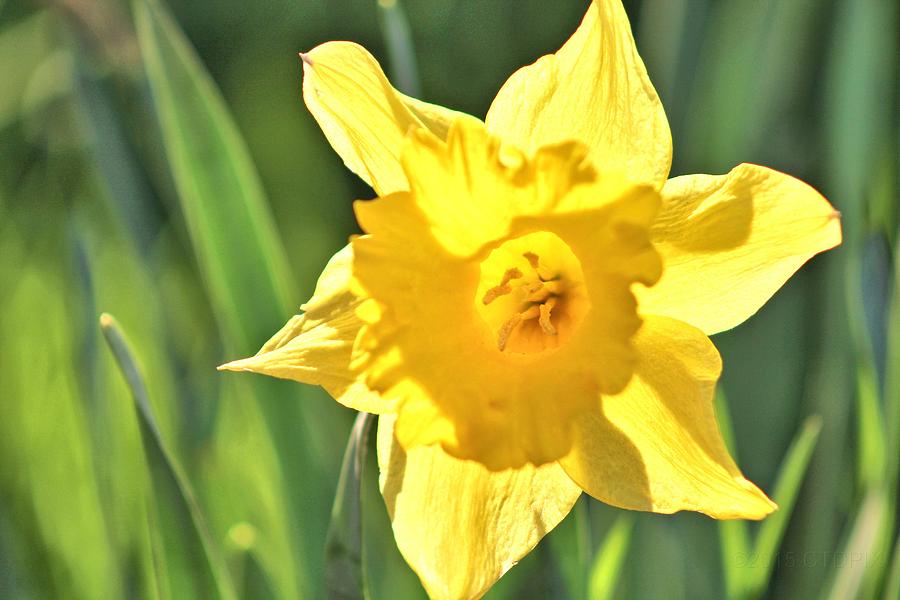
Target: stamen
[
  {"x": 545, "y": 309},
  {"x": 513, "y": 322},
  {"x": 542, "y": 290},
  {"x": 504, "y": 287},
  {"x": 535, "y": 261}
]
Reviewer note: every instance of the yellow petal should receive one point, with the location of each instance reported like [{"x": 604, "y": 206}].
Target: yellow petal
[
  {"x": 363, "y": 117},
  {"x": 460, "y": 526},
  {"x": 656, "y": 446},
  {"x": 595, "y": 89},
  {"x": 729, "y": 242},
  {"x": 316, "y": 347}
]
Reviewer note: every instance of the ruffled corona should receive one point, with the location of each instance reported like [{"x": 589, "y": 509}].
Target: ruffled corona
[{"x": 503, "y": 286}]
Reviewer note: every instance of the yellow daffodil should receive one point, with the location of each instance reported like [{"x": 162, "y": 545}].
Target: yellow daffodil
[{"x": 529, "y": 306}]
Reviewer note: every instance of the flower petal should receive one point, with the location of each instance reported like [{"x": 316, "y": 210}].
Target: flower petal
[
  {"x": 316, "y": 347},
  {"x": 595, "y": 89},
  {"x": 363, "y": 117},
  {"x": 460, "y": 526},
  {"x": 730, "y": 241},
  {"x": 656, "y": 446}
]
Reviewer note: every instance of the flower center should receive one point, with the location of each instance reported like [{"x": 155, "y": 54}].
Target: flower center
[{"x": 532, "y": 293}]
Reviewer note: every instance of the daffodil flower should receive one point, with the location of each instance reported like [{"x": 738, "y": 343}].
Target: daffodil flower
[{"x": 529, "y": 307}]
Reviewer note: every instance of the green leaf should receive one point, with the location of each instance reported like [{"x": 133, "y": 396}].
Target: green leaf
[
  {"x": 892, "y": 382},
  {"x": 173, "y": 496},
  {"x": 734, "y": 536},
  {"x": 345, "y": 578},
  {"x": 237, "y": 245},
  {"x": 607, "y": 567},
  {"x": 864, "y": 551},
  {"x": 584, "y": 534},
  {"x": 401, "y": 54},
  {"x": 734, "y": 541},
  {"x": 52, "y": 507},
  {"x": 245, "y": 273},
  {"x": 892, "y": 584},
  {"x": 787, "y": 487}
]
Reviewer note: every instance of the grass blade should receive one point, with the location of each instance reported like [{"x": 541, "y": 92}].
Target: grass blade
[
  {"x": 345, "y": 578},
  {"x": 232, "y": 231},
  {"x": 892, "y": 584},
  {"x": 786, "y": 489},
  {"x": 584, "y": 544},
  {"x": 163, "y": 466},
  {"x": 734, "y": 541},
  {"x": 734, "y": 536},
  {"x": 401, "y": 55},
  {"x": 610, "y": 557},
  {"x": 246, "y": 275},
  {"x": 861, "y": 553},
  {"x": 892, "y": 382}
]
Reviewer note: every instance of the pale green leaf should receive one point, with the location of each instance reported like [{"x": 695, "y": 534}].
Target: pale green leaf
[
  {"x": 608, "y": 562},
  {"x": 170, "y": 500}
]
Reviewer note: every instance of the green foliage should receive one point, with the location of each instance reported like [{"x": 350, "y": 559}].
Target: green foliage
[
  {"x": 172, "y": 498},
  {"x": 607, "y": 567},
  {"x": 345, "y": 577},
  {"x": 159, "y": 165}
]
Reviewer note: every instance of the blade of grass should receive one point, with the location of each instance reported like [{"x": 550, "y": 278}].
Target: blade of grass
[
  {"x": 584, "y": 543},
  {"x": 734, "y": 541},
  {"x": 607, "y": 567},
  {"x": 871, "y": 443},
  {"x": 861, "y": 553},
  {"x": 245, "y": 272},
  {"x": 859, "y": 76},
  {"x": 48, "y": 478},
  {"x": 787, "y": 487},
  {"x": 859, "y": 73},
  {"x": 345, "y": 576},
  {"x": 234, "y": 236},
  {"x": 161, "y": 462},
  {"x": 892, "y": 584},
  {"x": 734, "y": 536},
  {"x": 401, "y": 55},
  {"x": 892, "y": 377}
]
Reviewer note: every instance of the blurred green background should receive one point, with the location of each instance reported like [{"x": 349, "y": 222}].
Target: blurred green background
[{"x": 157, "y": 163}]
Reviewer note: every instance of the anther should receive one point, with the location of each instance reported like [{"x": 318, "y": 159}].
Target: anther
[
  {"x": 544, "y": 319},
  {"x": 514, "y": 321},
  {"x": 504, "y": 287}
]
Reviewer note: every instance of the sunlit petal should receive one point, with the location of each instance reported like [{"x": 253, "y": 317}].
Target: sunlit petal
[
  {"x": 595, "y": 89},
  {"x": 730, "y": 241},
  {"x": 363, "y": 117},
  {"x": 459, "y": 525},
  {"x": 656, "y": 446},
  {"x": 315, "y": 347}
]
